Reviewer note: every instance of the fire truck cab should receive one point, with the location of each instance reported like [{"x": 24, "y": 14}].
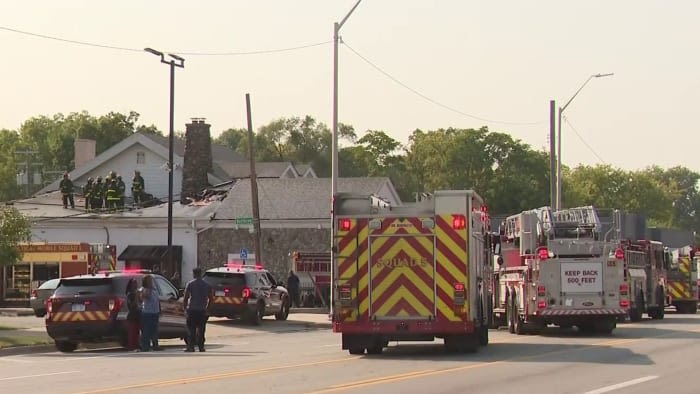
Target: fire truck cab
[
  {"x": 558, "y": 268},
  {"x": 413, "y": 272}
]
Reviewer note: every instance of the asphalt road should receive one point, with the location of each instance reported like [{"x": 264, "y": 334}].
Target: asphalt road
[{"x": 645, "y": 357}]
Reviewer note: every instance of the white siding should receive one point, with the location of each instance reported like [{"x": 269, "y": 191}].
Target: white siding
[{"x": 153, "y": 171}]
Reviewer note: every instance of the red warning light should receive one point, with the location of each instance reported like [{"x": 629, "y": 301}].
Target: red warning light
[
  {"x": 344, "y": 224},
  {"x": 459, "y": 222}
]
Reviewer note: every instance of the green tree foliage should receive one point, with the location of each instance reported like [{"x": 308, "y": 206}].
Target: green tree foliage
[{"x": 14, "y": 229}]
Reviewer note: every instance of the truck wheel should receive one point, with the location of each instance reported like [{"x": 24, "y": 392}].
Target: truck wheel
[
  {"x": 66, "y": 346},
  {"x": 255, "y": 317},
  {"x": 518, "y": 324},
  {"x": 356, "y": 350},
  {"x": 483, "y": 335},
  {"x": 659, "y": 311},
  {"x": 509, "y": 314},
  {"x": 636, "y": 312}
]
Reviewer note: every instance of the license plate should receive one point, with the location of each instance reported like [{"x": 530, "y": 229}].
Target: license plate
[
  {"x": 219, "y": 293},
  {"x": 78, "y": 307}
]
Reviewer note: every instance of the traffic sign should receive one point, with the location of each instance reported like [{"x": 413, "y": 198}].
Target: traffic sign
[
  {"x": 244, "y": 220},
  {"x": 243, "y": 254}
]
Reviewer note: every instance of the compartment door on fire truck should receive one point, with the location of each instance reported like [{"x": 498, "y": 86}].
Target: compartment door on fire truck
[{"x": 401, "y": 269}]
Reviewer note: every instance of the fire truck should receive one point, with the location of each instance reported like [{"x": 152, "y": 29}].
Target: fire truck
[
  {"x": 561, "y": 268},
  {"x": 646, "y": 275},
  {"x": 682, "y": 287},
  {"x": 413, "y": 272}
]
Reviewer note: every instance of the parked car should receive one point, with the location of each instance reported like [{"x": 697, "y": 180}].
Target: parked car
[
  {"x": 92, "y": 308},
  {"x": 39, "y": 296},
  {"x": 246, "y": 291}
]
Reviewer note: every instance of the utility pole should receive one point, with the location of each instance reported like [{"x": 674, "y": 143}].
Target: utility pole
[
  {"x": 253, "y": 184},
  {"x": 552, "y": 156}
]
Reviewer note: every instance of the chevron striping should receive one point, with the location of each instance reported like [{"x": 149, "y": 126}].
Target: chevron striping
[
  {"x": 403, "y": 294},
  {"x": 382, "y": 298},
  {"x": 404, "y": 308}
]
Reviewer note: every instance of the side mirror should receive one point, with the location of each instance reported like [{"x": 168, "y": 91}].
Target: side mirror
[{"x": 180, "y": 293}]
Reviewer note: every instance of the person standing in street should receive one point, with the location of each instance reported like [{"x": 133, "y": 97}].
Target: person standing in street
[
  {"x": 198, "y": 297},
  {"x": 150, "y": 313},
  {"x": 293, "y": 288},
  {"x": 133, "y": 316},
  {"x": 66, "y": 187}
]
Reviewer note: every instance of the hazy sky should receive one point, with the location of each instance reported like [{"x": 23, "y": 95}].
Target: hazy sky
[{"x": 500, "y": 61}]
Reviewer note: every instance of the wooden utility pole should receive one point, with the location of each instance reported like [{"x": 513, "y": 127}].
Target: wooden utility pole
[{"x": 253, "y": 183}]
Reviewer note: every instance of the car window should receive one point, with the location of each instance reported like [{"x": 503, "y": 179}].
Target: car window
[
  {"x": 79, "y": 286},
  {"x": 224, "y": 279},
  {"x": 271, "y": 279},
  {"x": 263, "y": 281},
  {"x": 49, "y": 284},
  {"x": 165, "y": 288}
]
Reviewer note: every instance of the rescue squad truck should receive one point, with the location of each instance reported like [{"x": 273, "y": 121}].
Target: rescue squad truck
[
  {"x": 413, "y": 272},
  {"x": 558, "y": 268},
  {"x": 646, "y": 276},
  {"x": 682, "y": 287}
]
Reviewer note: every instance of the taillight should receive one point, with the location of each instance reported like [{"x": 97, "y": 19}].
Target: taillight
[
  {"x": 624, "y": 289},
  {"x": 246, "y": 292},
  {"x": 49, "y": 306},
  {"x": 459, "y": 222},
  {"x": 619, "y": 254},
  {"x": 541, "y": 304},
  {"x": 543, "y": 253},
  {"x": 624, "y": 303},
  {"x": 115, "y": 304},
  {"x": 460, "y": 294},
  {"x": 226, "y": 291},
  {"x": 344, "y": 224},
  {"x": 541, "y": 291}
]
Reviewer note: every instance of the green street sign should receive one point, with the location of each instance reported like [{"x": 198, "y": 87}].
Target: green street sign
[{"x": 244, "y": 220}]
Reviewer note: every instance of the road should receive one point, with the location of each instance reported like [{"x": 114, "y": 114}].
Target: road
[{"x": 646, "y": 357}]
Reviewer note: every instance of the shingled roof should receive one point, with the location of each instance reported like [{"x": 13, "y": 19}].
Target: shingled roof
[{"x": 297, "y": 198}]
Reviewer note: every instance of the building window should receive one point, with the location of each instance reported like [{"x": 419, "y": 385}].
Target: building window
[{"x": 140, "y": 157}]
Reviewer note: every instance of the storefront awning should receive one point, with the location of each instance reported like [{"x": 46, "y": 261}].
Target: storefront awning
[{"x": 148, "y": 252}]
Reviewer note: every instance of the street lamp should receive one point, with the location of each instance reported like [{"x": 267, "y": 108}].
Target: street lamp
[
  {"x": 334, "y": 144},
  {"x": 561, "y": 109},
  {"x": 175, "y": 61}
]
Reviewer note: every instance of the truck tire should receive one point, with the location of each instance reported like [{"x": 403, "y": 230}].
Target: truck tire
[
  {"x": 66, "y": 346},
  {"x": 284, "y": 310},
  {"x": 356, "y": 351},
  {"x": 509, "y": 313},
  {"x": 483, "y": 336},
  {"x": 518, "y": 324},
  {"x": 658, "y": 312},
  {"x": 636, "y": 312}
]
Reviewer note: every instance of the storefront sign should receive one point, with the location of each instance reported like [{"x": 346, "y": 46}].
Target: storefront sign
[{"x": 52, "y": 248}]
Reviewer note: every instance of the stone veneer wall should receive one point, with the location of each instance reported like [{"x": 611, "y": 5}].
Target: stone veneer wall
[
  {"x": 198, "y": 158},
  {"x": 277, "y": 245}
]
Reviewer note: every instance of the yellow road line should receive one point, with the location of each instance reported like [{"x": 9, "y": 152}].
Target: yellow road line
[
  {"x": 224, "y": 375},
  {"x": 419, "y": 374}
]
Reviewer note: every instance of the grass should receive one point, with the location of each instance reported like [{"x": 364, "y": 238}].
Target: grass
[{"x": 23, "y": 340}]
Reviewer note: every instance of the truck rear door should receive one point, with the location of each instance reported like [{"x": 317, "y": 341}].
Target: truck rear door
[
  {"x": 582, "y": 283},
  {"x": 401, "y": 269}
]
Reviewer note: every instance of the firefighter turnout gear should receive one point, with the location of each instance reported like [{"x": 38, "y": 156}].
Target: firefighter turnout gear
[{"x": 66, "y": 187}]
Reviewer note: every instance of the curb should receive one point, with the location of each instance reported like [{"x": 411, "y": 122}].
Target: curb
[{"x": 19, "y": 350}]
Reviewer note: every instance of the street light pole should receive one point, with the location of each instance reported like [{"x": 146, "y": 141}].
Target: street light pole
[
  {"x": 334, "y": 146},
  {"x": 175, "y": 61},
  {"x": 561, "y": 110}
]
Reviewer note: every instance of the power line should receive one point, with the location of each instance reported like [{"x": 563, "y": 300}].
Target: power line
[
  {"x": 193, "y": 53},
  {"x": 583, "y": 140},
  {"x": 439, "y": 104}
]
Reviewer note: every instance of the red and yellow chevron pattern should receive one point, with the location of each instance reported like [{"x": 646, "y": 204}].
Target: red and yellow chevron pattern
[
  {"x": 228, "y": 300},
  {"x": 680, "y": 289},
  {"x": 452, "y": 257},
  {"x": 79, "y": 316}
]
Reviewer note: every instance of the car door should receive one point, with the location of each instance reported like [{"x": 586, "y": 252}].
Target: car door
[
  {"x": 266, "y": 292},
  {"x": 272, "y": 296},
  {"x": 172, "y": 317},
  {"x": 278, "y": 292}
]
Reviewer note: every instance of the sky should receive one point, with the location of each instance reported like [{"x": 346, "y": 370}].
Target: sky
[{"x": 403, "y": 65}]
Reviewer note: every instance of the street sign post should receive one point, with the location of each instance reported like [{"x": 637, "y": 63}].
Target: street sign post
[{"x": 243, "y": 254}]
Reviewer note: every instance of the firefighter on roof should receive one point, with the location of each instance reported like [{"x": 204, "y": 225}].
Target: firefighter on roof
[
  {"x": 137, "y": 187},
  {"x": 87, "y": 193},
  {"x": 66, "y": 187}
]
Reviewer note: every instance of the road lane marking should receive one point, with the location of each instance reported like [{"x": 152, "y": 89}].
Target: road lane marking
[
  {"x": 232, "y": 374},
  {"x": 39, "y": 375},
  {"x": 383, "y": 379},
  {"x": 621, "y": 385},
  {"x": 358, "y": 384}
]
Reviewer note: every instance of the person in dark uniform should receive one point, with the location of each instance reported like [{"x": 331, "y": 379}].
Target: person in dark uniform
[
  {"x": 121, "y": 189},
  {"x": 137, "y": 187},
  {"x": 66, "y": 187},
  {"x": 96, "y": 194},
  {"x": 198, "y": 297},
  {"x": 293, "y": 288},
  {"x": 112, "y": 195},
  {"x": 87, "y": 189}
]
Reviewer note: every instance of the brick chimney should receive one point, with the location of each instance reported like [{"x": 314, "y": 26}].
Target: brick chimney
[
  {"x": 84, "y": 151},
  {"x": 198, "y": 158}
]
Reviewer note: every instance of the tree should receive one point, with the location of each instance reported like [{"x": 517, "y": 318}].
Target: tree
[
  {"x": 15, "y": 228},
  {"x": 234, "y": 139}
]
